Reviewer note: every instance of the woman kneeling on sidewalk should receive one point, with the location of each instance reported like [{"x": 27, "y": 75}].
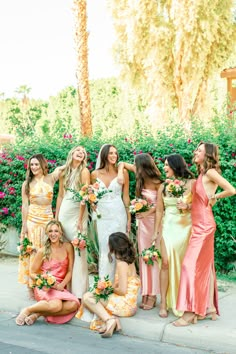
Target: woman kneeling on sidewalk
[
  {"x": 55, "y": 259},
  {"x": 123, "y": 301}
]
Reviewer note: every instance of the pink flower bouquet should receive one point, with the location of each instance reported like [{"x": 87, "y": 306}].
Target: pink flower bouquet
[{"x": 80, "y": 242}]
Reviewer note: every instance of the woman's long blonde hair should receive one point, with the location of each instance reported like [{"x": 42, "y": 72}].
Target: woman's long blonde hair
[
  {"x": 47, "y": 244},
  {"x": 73, "y": 177}
]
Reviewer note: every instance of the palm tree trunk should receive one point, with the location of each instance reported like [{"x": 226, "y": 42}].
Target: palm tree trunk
[{"x": 81, "y": 40}]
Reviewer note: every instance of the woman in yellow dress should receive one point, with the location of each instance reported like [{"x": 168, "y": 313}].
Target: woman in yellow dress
[
  {"x": 123, "y": 302},
  {"x": 37, "y": 194},
  {"x": 174, "y": 214}
]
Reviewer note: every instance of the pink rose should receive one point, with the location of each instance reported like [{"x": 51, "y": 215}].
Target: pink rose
[
  {"x": 82, "y": 244},
  {"x": 101, "y": 285}
]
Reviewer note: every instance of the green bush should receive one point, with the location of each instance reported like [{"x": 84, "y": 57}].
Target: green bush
[{"x": 172, "y": 140}]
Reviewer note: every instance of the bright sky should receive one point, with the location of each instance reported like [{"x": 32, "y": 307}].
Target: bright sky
[{"x": 37, "y": 45}]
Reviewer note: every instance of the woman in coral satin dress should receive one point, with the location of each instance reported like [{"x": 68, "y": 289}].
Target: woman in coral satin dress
[
  {"x": 147, "y": 184},
  {"x": 198, "y": 296},
  {"x": 37, "y": 194},
  {"x": 73, "y": 215},
  {"x": 173, "y": 214},
  {"x": 57, "y": 304}
]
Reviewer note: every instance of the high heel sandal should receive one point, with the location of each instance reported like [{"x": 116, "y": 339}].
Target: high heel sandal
[
  {"x": 151, "y": 302},
  {"x": 181, "y": 322},
  {"x": 211, "y": 313},
  {"x": 114, "y": 326},
  {"x": 29, "y": 320},
  {"x": 144, "y": 301}
]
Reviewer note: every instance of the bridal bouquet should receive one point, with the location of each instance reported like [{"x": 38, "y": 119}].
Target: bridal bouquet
[
  {"x": 90, "y": 195},
  {"x": 45, "y": 281},
  {"x": 139, "y": 205},
  {"x": 101, "y": 288},
  {"x": 25, "y": 248},
  {"x": 150, "y": 255},
  {"x": 80, "y": 242},
  {"x": 174, "y": 187}
]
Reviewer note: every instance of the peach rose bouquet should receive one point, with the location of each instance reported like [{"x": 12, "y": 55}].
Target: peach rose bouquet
[
  {"x": 150, "y": 255},
  {"x": 139, "y": 205},
  {"x": 174, "y": 187},
  {"x": 25, "y": 248},
  {"x": 90, "y": 195},
  {"x": 101, "y": 288},
  {"x": 45, "y": 281},
  {"x": 80, "y": 242}
]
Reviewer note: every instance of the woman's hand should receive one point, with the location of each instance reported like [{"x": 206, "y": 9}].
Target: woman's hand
[
  {"x": 59, "y": 287},
  {"x": 154, "y": 238},
  {"x": 181, "y": 205},
  {"x": 142, "y": 215},
  {"x": 24, "y": 233},
  {"x": 212, "y": 200}
]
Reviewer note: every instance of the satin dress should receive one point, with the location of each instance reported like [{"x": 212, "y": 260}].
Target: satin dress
[
  {"x": 121, "y": 305},
  {"x": 39, "y": 214},
  {"x": 69, "y": 216},
  {"x": 199, "y": 259},
  {"x": 176, "y": 233},
  {"x": 58, "y": 269},
  {"x": 149, "y": 275}
]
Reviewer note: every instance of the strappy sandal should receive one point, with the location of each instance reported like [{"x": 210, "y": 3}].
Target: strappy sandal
[
  {"x": 29, "y": 320},
  {"x": 211, "y": 314},
  {"x": 151, "y": 302},
  {"x": 20, "y": 319},
  {"x": 114, "y": 326},
  {"x": 144, "y": 301},
  {"x": 181, "y": 322}
]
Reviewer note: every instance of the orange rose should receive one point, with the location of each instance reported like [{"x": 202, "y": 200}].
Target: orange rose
[
  {"x": 138, "y": 206},
  {"x": 75, "y": 242},
  {"x": 51, "y": 280},
  {"x": 145, "y": 258},
  {"x": 97, "y": 291},
  {"x": 39, "y": 282},
  {"x": 108, "y": 283},
  {"x": 92, "y": 198}
]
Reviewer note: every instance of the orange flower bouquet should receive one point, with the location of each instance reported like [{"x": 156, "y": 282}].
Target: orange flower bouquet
[
  {"x": 45, "y": 281},
  {"x": 150, "y": 255},
  {"x": 90, "y": 195},
  {"x": 25, "y": 248},
  {"x": 101, "y": 288},
  {"x": 80, "y": 242},
  {"x": 139, "y": 205}
]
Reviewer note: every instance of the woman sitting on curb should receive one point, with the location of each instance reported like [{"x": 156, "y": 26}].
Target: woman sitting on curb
[
  {"x": 56, "y": 304},
  {"x": 123, "y": 302}
]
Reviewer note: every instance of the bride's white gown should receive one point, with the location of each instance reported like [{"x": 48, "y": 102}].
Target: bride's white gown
[{"x": 113, "y": 219}]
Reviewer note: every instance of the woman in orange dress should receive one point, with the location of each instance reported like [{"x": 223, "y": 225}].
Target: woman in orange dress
[
  {"x": 37, "y": 194},
  {"x": 123, "y": 302},
  {"x": 57, "y": 304},
  {"x": 198, "y": 296}
]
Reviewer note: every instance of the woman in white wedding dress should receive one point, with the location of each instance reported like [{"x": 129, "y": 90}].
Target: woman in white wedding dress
[
  {"x": 113, "y": 206},
  {"x": 73, "y": 215}
]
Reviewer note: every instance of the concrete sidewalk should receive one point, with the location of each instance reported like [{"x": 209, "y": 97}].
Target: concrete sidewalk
[{"x": 215, "y": 336}]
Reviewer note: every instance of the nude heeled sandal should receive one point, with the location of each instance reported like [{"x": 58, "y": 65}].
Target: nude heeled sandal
[{"x": 114, "y": 326}]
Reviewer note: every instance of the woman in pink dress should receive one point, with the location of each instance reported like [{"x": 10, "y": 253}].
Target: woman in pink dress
[
  {"x": 147, "y": 184},
  {"x": 198, "y": 296},
  {"x": 56, "y": 304}
]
